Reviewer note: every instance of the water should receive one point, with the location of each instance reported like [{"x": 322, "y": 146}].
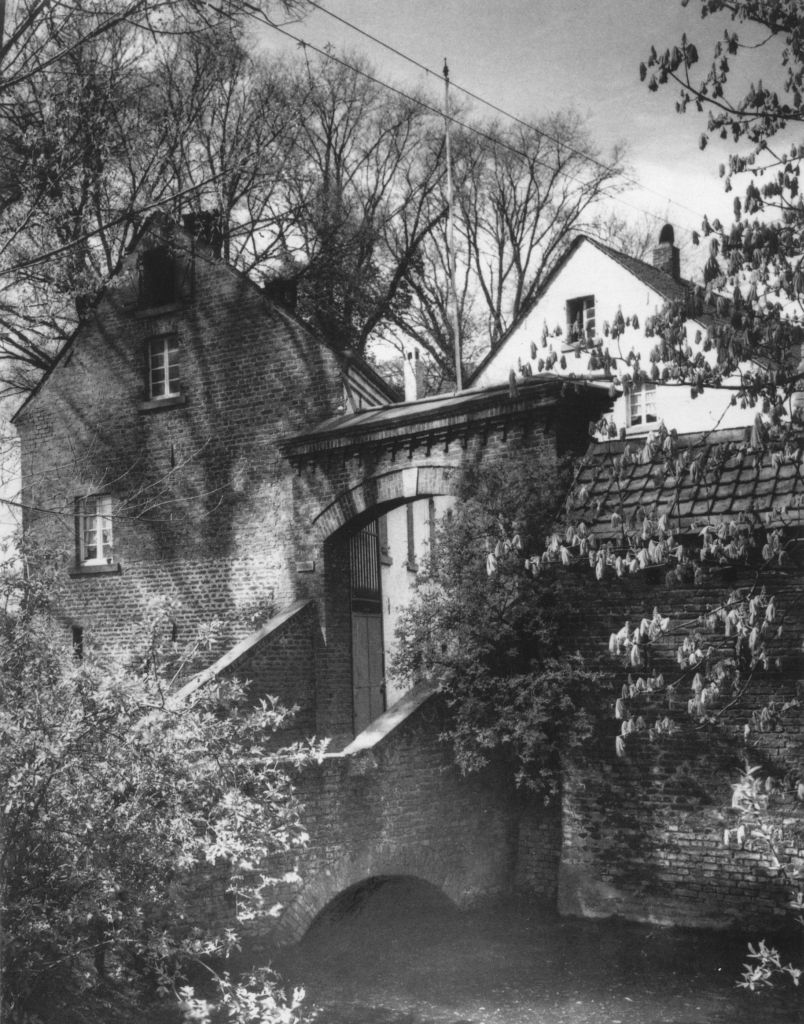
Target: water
[{"x": 399, "y": 953}]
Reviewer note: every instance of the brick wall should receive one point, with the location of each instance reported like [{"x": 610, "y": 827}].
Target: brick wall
[
  {"x": 203, "y": 500},
  {"x": 401, "y": 808},
  {"x": 283, "y": 667},
  {"x": 642, "y": 836}
]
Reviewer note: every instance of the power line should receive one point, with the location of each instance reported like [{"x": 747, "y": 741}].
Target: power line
[
  {"x": 425, "y": 105},
  {"x": 329, "y": 55},
  {"x": 505, "y": 113}
]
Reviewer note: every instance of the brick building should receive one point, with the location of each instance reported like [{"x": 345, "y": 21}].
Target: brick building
[
  {"x": 149, "y": 454},
  {"x": 196, "y": 448}
]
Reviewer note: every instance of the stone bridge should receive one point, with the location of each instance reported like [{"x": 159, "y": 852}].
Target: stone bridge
[{"x": 393, "y": 804}]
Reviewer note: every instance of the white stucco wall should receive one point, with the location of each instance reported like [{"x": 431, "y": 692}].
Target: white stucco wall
[
  {"x": 591, "y": 272},
  {"x": 398, "y": 577}
]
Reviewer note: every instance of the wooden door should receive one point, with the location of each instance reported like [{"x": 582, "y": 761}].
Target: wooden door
[
  {"x": 368, "y": 662},
  {"x": 367, "y": 667}
]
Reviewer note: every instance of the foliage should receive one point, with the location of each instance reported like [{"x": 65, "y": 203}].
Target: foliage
[
  {"x": 121, "y": 803},
  {"x": 309, "y": 169},
  {"x": 752, "y": 92},
  {"x": 499, "y": 641},
  {"x": 754, "y": 285},
  {"x": 772, "y": 836}
]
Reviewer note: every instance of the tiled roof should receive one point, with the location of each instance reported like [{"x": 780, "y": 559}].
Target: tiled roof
[
  {"x": 694, "y": 479},
  {"x": 659, "y": 280}
]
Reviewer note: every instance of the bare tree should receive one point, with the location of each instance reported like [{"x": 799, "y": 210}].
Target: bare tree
[
  {"x": 522, "y": 194},
  {"x": 633, "y": 237},
  {"x": 97, "y": 112},
  {"x": 241, "y": 115}
]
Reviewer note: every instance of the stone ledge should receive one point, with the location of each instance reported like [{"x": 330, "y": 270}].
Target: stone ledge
[
  {"x": 114, "y": 569},
  {"x": 157, "y": 404},
  {"x": 388, "y": 721},
  {"x": 235, "y": 653}
]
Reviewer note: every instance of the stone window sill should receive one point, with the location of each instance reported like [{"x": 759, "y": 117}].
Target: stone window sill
[
  {"x": 155, "y": 404},
  {"x": 112, "y": 569}
]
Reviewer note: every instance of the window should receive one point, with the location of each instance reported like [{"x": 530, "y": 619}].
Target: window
[
  {"x": 157, "y": 278},
  {"x": 642, "y": 405},
  {"x": 163, "y": 367},
  {"x": 581, "y": 319},
  {"x": 94, "y": 529}
]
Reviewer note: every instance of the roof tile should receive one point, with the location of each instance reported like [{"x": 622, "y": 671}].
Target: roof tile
[{"x": 737, "y": 480}]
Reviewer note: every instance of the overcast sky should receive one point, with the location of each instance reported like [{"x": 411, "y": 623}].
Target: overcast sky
[{"x": 531, "y": 57}]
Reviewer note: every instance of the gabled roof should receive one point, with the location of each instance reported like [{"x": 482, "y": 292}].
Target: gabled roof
[
  {"x": 694, "y": 479},
  {"x": 348, "y": 360},
  {"x": 659, "y": 281}
]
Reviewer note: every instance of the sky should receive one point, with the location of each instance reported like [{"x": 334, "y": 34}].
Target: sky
[{"x": 532, "y": 57}]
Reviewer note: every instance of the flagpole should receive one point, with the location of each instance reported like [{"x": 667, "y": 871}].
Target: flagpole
[{"x": 453, "y": 291}]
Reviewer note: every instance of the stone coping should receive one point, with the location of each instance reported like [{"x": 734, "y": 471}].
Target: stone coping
[
  {"x": 388, "y": 721},
  {"x": 239, "y": 649}
]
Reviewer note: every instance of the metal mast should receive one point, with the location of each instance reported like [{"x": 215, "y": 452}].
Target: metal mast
[{"x": 453, "y": 291}]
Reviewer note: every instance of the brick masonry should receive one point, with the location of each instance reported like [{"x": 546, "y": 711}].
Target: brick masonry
[
  {"x": 209, "y": 513},
  {"x": 399, "y": 809},
  {"x": 642, "y": 836}
]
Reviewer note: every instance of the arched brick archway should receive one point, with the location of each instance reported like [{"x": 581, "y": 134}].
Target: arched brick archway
[
  {"x": 354, "y": 469},
  {"x": 379, "y": 493},
  {"x": 391, "y": 455},
  {"x": 348, "y": 697}
]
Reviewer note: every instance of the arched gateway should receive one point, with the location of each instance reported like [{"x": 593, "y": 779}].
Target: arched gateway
[{"x": 361, "y": 469}]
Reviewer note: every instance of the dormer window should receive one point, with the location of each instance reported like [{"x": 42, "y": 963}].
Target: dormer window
[
  {"x": 157, "y": 278},
  {"x": 163, "y": 368},
  {"x": 581, "y": 319},
  {"x": 642, "y": 405}
]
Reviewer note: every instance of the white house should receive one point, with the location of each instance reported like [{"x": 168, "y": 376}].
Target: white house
[{"x": 594, "y": 314}]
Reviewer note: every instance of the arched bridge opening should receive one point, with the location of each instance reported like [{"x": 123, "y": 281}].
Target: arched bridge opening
[{"x": 380, "y": 906}]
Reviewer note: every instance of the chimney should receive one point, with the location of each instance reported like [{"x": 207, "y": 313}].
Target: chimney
[
  {"x": 665, "y": 256},
  {"x": 413, "y": 374},
  {"x": 283, "y": 291},
  {"x": 205, "y": 227}
]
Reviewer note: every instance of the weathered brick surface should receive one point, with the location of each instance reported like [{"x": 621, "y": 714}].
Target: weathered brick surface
[
  {"x": 203, "y": 506},
  {"x": 209, "y": 513},
  {"x": 642, "y": 836},
  {"x": 400, "y": 809}
]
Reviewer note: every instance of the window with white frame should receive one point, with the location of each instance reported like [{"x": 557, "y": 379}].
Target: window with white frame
[
  {"x": 94, "y": 529},
  {"x": 581, "y": 318},
  {"x": 642, "y": 405},
  {"x": 163, "y": 367}
]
